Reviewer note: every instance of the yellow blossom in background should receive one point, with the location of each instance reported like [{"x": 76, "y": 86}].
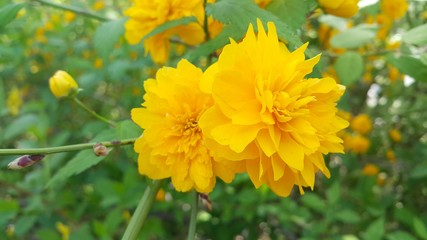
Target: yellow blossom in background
[
  {"x": 173, "y": 143},
  {"x": 98, "y": 5},
  {"x": 146, "y": 15},
  {"x": 361, "y": 123},
  {"x": 370, "y": 169},
  {"x": 394, "y": 74},
  {"x": 262, "y": 3},
  {"x": 384, "y": 23},
  {"x": 64, "y": 230},
  {"x": 62, "y": 84},
  {"x": 10, "y": 230},
  {"x": 126, "y": 216},
  {"x": 340, "y": 8},
  {"x": 69, "y": 16},
  {"x": 391, "y": 156},
  {"x": 394, "y": 9},
  {"x": 267, "y": 115},
  {"x": 98, "y": 63},
  {"x": 395, "y": 135},
  {"x": 14, "y": 101},
  {"x": 160, "y": 195},
  {"x": 356, "y": 143}
]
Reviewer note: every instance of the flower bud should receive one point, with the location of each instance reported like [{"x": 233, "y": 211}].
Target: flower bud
[
  {"x": 62, "y": 84},
  {"x": 25, "y": 161},
  {"x": 100, "y": 150},
  {"x": 341, "y": 8}
]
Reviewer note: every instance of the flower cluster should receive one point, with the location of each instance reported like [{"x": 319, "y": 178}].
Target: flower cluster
[{"x": 252, "y": 111}]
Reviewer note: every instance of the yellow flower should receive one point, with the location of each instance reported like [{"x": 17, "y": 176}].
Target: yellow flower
[
  {"x": 64, "y": 230},
  {"x": 394, "y": 9},
  {"x": 14, "y": 101},
  {"x": 62, "y": 84},
  {"x": 160, "y": 195},
  {"x": 395, "y": 135},
  {"x": 391, "y": 156},
  {"x": 268, "y": 115},
  {"x": 146, "y": 15},
  {"x": 357, "y": 143},
  {"x": 98, "y": 63},
  {"x": 340, "y": 8},
  {"x": 370, "y": 169},
  {"x": 361, "y": 124},
  {"x": 69, "y": 16},
  {"x": 98, "y": 5},
  {"x": 394, "y": 74},
  {"x": 262, "y": 3},
  {"x": 173, "y": 144}
]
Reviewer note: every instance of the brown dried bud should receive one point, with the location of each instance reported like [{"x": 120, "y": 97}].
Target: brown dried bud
[
  {"x": 25, "y": 161},
  {"x": 100, "y": 150}
]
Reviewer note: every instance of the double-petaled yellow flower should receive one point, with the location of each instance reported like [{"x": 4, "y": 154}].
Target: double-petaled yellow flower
[
  {"x": 268, "y": 115},
  {"x": 62, "y": 84},
  {"x": 172, "y": 144},
  {"x": 146, "y": 15}
]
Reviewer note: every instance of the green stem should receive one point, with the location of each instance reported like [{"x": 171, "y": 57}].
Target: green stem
[
  {"x": 193, "y": 217},
  {"x": 141, "y": 212},
  {"x": 67, "y": 148},
  {"x": 73, "y": 9},
  {"x": 93, "y": 113}
]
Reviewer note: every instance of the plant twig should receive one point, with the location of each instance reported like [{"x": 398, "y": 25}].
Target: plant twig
[
  {"x": 193, "y": 217},
  {"x": 93, "y": 113}
]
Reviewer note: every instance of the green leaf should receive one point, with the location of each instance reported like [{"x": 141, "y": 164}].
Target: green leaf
[
  {"x": 419, "y": 171},
  {"x": 375, "y": 230},
  {"x": 2, "y": 96},
  {"x": 128, "y": 129},
  {"x": 236, "y": 15},
  {"x": 314, "y": 202},
  {"x": 354, "y": 37},
  {"x": 400, "y": 235},
  {"x": 409, "y": 65},
  {"x": 24, "y": 224},
  {"x": 19, "y": 126},
  {"x": 420, "y": 228},
  {"x": 107, "y": 35},
  {"x": 82, "y": 161},
  {"x": 8, "y": 209},
  {"x": 349, "y": 67},
  {"x": 347, "y": 216},
  {"x": 291, "y": 12},
  {"x": 333, "y": 193},
  {"x": 170, "y": 24},
  {"x": 8, "y": 13},
  {"x": 416, "y": 36}
]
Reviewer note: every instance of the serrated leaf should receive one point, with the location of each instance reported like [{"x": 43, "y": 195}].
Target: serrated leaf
[
  {"x": 419, "y": 228},
  {"x": 349, "y": 67},
  {"x": 354, "y": 37},
  {"x": 292, "y": 12},
  {"x": 314, "y": 202},
  {"x": 347, "y": 216},
  {"x": 417, "y": 35},
  {"x": 409, "y": 65},
  {"x": 8, "y": 13},
  {"x": 107, "y": 35}
]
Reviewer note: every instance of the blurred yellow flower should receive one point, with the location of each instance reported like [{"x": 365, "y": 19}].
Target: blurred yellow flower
[
  {"x": 126, "y": 216},
  {"x": 356, "y": 143},
  {"x": 340, "y": 8},
  {"x": 146, "y": 15},
  {"x": 385, "y": 24},
  {"x": 98, "y": 5},
  {"x": 391, "y": 156},
  {"x": 160, "y": 195},
  {"x": 361, "y": 123},
  {"x": 395, "y": 135},
  {"x": 262, "y": 3},
  {"x": 173, "y": 144},
  {"x": 98, "y": 63},
  {"x": 64, "y": 230},
  {"x": 278, "y": 123},
  {"x": 69, "y": 16},
  {"x": 62, "y": 84},
  {"x": 370, "y": 169},
  {"x": 394, "y": 9},
  {"x": 10, "y": 231},
  {"x": 14, "y": 101},
  {"x": 394, "y": 74}
]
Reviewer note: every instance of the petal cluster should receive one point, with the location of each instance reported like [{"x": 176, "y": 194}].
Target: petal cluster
[
  {"x": 146, "y": 15},
  {"x": 267, "y": 115},
  {"x": 340, "y": 8},
  {"x": 172, "y": 144}
]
